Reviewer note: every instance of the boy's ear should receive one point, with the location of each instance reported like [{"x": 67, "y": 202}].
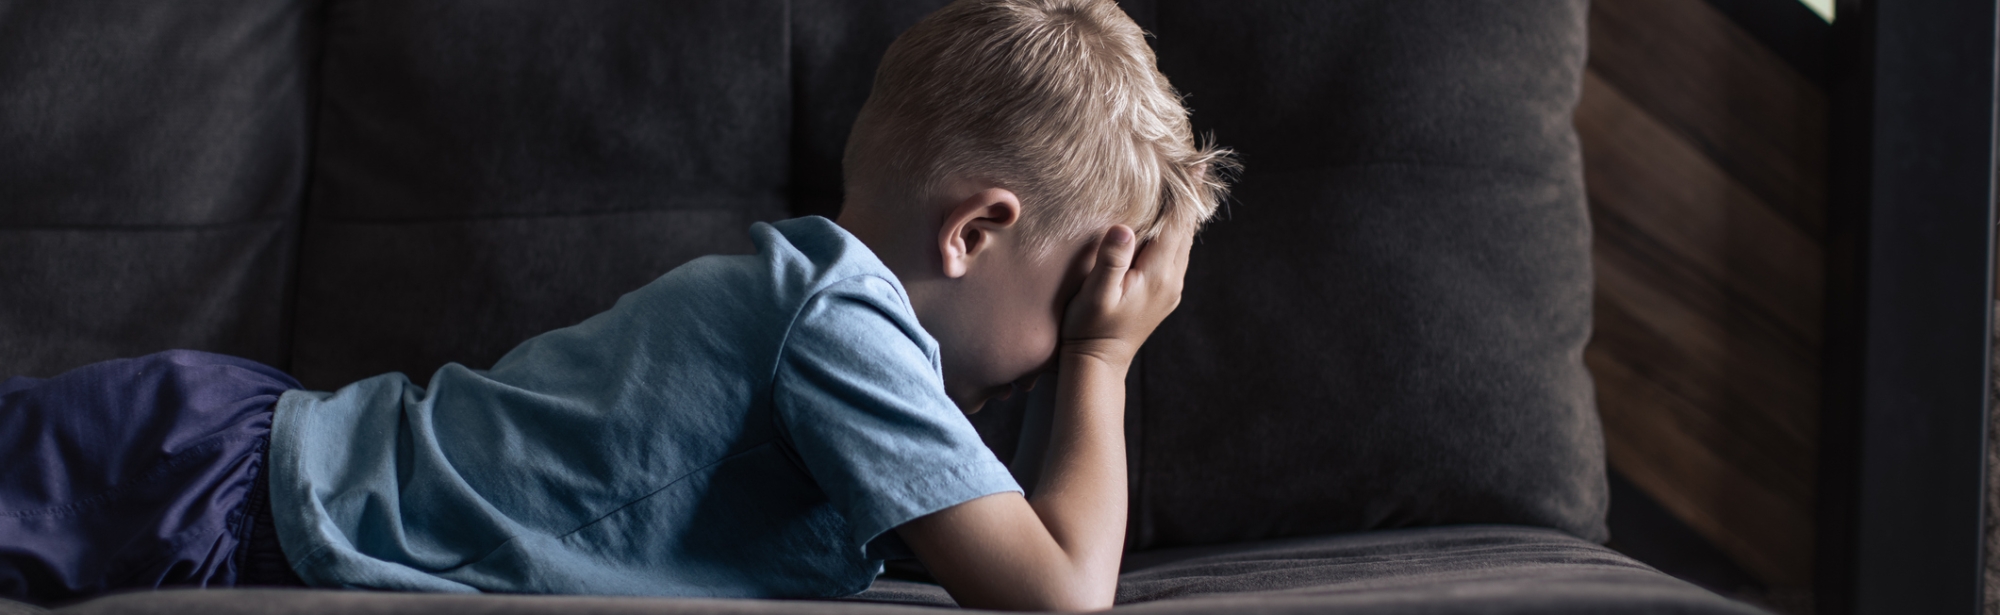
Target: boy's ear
[{"x": 970, "y": 226}]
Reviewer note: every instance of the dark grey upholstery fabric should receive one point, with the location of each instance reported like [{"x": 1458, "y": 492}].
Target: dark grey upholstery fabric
[
  {"x": 1446, "y": 570},
  {"x": 488, "y": 171},
  {"x": 1386, "y": 328},
  {"x": 9, "y": 607},
  {"x": 1451, "y": 569},
  {"x": 152, "y": 156}
]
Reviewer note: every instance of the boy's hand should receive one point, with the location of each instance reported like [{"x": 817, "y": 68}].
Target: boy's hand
[
  {"x": 1129, "y": 291},
  {"x": 1062, "y": 549}
]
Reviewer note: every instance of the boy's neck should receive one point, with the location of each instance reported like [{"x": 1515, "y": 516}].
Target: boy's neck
[{"x": 890, "y": 242}]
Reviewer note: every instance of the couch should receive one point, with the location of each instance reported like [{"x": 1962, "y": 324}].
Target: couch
[{"x": 1371, "y": 401}]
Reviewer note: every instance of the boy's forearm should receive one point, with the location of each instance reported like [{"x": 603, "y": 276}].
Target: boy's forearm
[{"x": 1081, "y": 495}]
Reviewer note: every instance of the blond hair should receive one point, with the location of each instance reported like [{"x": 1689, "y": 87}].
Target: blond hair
[{"x": 1058, "y": 101}]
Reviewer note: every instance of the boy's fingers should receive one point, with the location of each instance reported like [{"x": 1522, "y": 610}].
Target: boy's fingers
[
  {"x": 1168, "y": 253},
  {"x": 1114, "y": 257}
]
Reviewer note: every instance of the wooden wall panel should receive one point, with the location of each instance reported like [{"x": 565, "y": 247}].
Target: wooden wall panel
[
  {"x": 1691, "y": 67},
  {"x": 1704, "y": 158}
]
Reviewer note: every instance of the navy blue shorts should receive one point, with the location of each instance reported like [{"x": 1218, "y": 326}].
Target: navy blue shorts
[{"x": 138, "y": 473}]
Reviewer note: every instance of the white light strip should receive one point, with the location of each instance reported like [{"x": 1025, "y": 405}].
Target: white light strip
[{"x": 1823, "y": 7}]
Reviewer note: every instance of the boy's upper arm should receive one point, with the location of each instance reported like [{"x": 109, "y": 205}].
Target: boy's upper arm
[{"x": 862, "y": 404}]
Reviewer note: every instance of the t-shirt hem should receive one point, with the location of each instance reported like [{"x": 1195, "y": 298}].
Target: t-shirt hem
[
  {"x": 304, "y": 528},
  {"x": 282, "y": 476}
]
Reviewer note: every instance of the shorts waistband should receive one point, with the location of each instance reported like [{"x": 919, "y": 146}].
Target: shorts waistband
[{"x": 261, "y": 560}]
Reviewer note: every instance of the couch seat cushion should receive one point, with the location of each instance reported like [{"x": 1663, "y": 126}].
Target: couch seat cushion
[
  {"x": 1471, "y": 569},
  {"x": 1483, "y": 569}
]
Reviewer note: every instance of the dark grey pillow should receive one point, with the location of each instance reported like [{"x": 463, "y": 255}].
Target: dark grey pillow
[{"x": 1387, "y": 327}]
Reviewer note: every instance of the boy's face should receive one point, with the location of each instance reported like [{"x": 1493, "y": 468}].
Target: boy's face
[{"x": 1003, "y": 327}]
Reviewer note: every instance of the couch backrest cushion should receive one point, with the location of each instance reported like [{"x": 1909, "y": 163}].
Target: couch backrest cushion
[
  {"x": 487, "y": 171},
  {"x": 1387, "y": 327},
  {"x": 152, "y": 156}
]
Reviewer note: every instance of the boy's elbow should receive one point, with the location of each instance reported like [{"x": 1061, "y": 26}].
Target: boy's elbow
[
  {"x": 1077, "y": 595},
  {"x": 1091, "y": 585},
  {"x": 1069, "y": 593}
]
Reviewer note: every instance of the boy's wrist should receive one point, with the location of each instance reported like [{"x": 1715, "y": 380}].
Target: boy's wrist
[{"x": 1106, "y": 353}]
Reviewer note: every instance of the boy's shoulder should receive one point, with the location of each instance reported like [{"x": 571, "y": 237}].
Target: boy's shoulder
[
  {"x": 837, "y": 286},
  {"x": 807, "y": 276},
  {"x": 793, "y": 261},
  {"x": 821, "y": 252},
  {"x": 809, "y": 265}
]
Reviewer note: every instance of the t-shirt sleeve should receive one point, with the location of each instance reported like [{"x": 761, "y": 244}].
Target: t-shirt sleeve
[{"x": 864, "y": 406}]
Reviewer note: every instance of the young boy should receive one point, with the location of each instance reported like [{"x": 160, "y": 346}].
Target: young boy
[{"x": 769, "y": 425}]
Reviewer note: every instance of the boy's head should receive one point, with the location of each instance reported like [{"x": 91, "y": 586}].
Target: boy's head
[
  {"x": 1001, "y": 140},
  {"x": 1057, "y": 101}
]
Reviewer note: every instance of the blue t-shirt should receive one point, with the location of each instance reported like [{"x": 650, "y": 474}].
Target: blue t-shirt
[{"x": 742, "y": 426}]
